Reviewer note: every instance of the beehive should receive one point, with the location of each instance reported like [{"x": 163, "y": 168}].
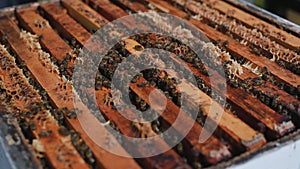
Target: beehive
[{"x": 41, "y": 41}]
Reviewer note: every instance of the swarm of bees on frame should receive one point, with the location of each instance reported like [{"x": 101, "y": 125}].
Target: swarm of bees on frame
[
  {"x": 289, "y": 59},
  {"x": 37, "y": 109}
]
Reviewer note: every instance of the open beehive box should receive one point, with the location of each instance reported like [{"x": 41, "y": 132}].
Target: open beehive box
[{"x": 40, "y": 44}]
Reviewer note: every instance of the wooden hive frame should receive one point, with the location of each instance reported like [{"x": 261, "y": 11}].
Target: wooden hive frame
[{"x": 262, "y": 102}]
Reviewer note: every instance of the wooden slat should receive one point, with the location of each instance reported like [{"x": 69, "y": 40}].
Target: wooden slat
[
  {"x": 57, "y": 158},
  {"x": 131, "y": 5},
  {"x": 49, "y": 40},
  {"x": 277, "y": 34},
  {"x": 169, "y": 159},
  {"x": 89, "y": 18},
  {"x": 49, "y": 81},
  {"x": 64, "y": 24},
  {"x": 108, "y": 9},
  {"x": 167, "y": 8}
]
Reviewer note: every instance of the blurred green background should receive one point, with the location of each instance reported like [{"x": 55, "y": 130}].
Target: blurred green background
[{"x": 289, "y": 9}]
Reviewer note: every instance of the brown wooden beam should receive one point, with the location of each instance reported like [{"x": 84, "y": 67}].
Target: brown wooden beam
[
  {"x": 89, "y": 18},
  {"x": 49, "y": 39}
]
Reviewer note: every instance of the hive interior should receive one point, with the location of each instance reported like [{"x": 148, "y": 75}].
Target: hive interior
[{"x": 248, "y": 70}]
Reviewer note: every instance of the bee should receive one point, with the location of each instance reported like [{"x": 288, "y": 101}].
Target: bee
[
  {"x": 262, "y": 127},
  {"x": 226, "y": 43},
  {"x": 233, "y": 83},
  {"x": 267, "y": 100},
  {"x": 24, "y": 124},
  {"x": 261, "y": 98},
  {"x": 289, "y": 88},
  {"x": 77, "y": 143},
  {"x": 41, "y": 37},
  {"x": 143, "y": 84},
  {"x": 197, "y": 165},
  {"x": 212, "y": 24},
  {"x": 28, "y": 114},
  {"x": 279, "y": 108},
  {"x": 256, "y": 51},
  {"x": 73, "y": 42},
  {"x": 217, "y": 42},
  {"x": 265, "y": 70},
  {"x": 90, "y": 157},
  {"x": 46, "y": 105},
  {"x": 280, "y": 85},
  {"x": 265, "y": 76},
  {"x": 63, "y": 131},
  {"x": 74, "y": 135},
  {"x": 257, "y": 81},
  {"x": 98, "y": 85},
  {"x": 76, "y": 140},
  {"x": 143, "y": 105},
  {"x": 32, "y": 125},
  {"x": 45, "y": 133},
  {"x": 59, "y": 115},
  {"x": 281, "y": 63},
  {"x": 106, "y": 83},
  {"x": 138, "y": 99},
  {"x": 134, "y": 79},
  {"x": 83, "y": 148},
  {"x": 71, "y": 114},
  {"x": 179, "y": 148},
  {"x": 155, "y": 126},
  {"x": 44, "y": 94},
  {"x": 4, "y": 37}
]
